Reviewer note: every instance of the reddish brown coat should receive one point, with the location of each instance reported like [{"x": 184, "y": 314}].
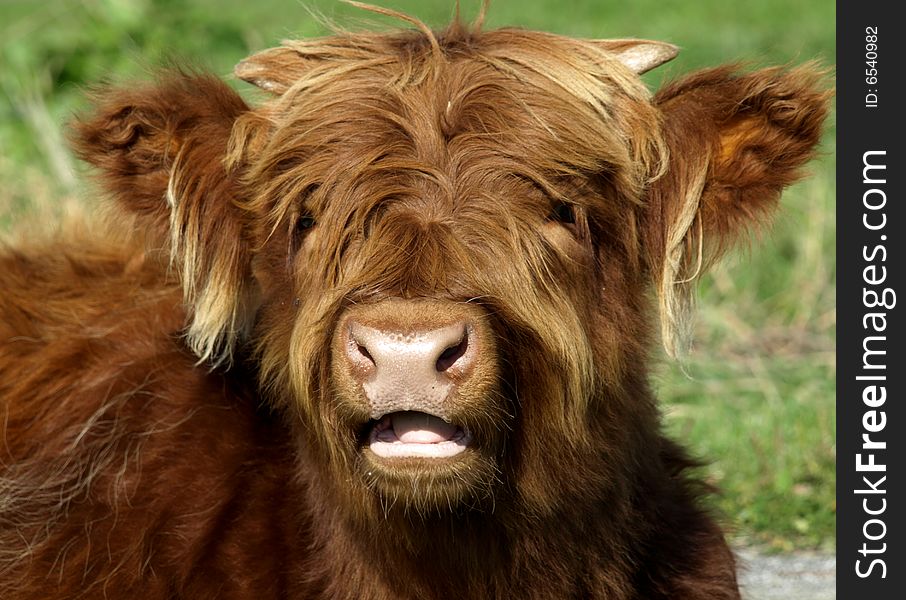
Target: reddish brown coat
[{"x": 437, "y": 168}]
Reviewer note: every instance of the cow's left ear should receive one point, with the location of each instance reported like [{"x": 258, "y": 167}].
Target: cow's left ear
[{"x": 734, "y": 141}]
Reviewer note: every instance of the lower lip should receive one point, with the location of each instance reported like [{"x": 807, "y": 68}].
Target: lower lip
[{"x": 397, "y": 449}]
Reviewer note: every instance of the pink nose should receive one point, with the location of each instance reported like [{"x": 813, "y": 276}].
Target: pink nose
[{"x": 403, "y": 369}]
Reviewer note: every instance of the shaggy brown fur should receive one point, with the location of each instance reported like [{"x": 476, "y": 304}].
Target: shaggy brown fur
[{"x": 177, "y": 415}]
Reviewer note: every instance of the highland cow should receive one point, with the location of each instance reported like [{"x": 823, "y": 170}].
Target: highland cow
[{"x": 386, "y": 334}]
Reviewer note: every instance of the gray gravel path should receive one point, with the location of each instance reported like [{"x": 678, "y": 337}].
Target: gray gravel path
[{"x": 797, "y": 576}]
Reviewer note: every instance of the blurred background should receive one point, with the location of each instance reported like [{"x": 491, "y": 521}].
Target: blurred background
[{"x": 755, "y": 398}]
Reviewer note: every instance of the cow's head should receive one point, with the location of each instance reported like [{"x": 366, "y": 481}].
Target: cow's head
[{"x": 438, "y": 250}]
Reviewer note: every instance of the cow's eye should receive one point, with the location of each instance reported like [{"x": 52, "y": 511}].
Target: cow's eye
[
  {"x": 305, "y": 223},
  {"x": 564, "y": 213}
]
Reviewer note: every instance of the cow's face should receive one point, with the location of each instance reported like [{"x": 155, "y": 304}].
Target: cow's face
[
  {"x": 445, "y": 242},
  {"x": 439, "y": 251}
]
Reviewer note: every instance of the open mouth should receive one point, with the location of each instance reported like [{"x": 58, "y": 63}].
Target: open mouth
[{"x": 409, "y": 434}]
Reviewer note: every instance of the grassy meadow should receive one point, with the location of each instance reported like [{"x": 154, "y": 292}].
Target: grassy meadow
[{"x": 756, "y": 396}]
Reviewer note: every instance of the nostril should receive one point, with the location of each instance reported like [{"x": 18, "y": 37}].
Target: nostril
[
  {"x": 357, "y": 353},
  {"x": 364, "y": 352},
  {"x": 405, "y": 355},
  {"x": 453, "y": 353}
]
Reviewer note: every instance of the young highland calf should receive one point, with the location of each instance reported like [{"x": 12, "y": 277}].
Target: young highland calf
[{"x": 385, "y": 335}]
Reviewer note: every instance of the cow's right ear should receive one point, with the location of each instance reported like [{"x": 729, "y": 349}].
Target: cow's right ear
[
  {"x": 161, "y": 152},
  {"x": 137, "y": 136}
]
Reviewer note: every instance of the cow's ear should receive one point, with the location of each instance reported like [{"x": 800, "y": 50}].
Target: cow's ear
[
  {"x": 735, "y": 141},
  {"x": 160, "y": 150}
]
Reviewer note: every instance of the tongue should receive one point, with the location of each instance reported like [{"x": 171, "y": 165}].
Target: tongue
[{"x": 420, "y": 428}]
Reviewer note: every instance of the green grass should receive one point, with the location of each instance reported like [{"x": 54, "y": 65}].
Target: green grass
[{"x": 756, "y": 398}]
